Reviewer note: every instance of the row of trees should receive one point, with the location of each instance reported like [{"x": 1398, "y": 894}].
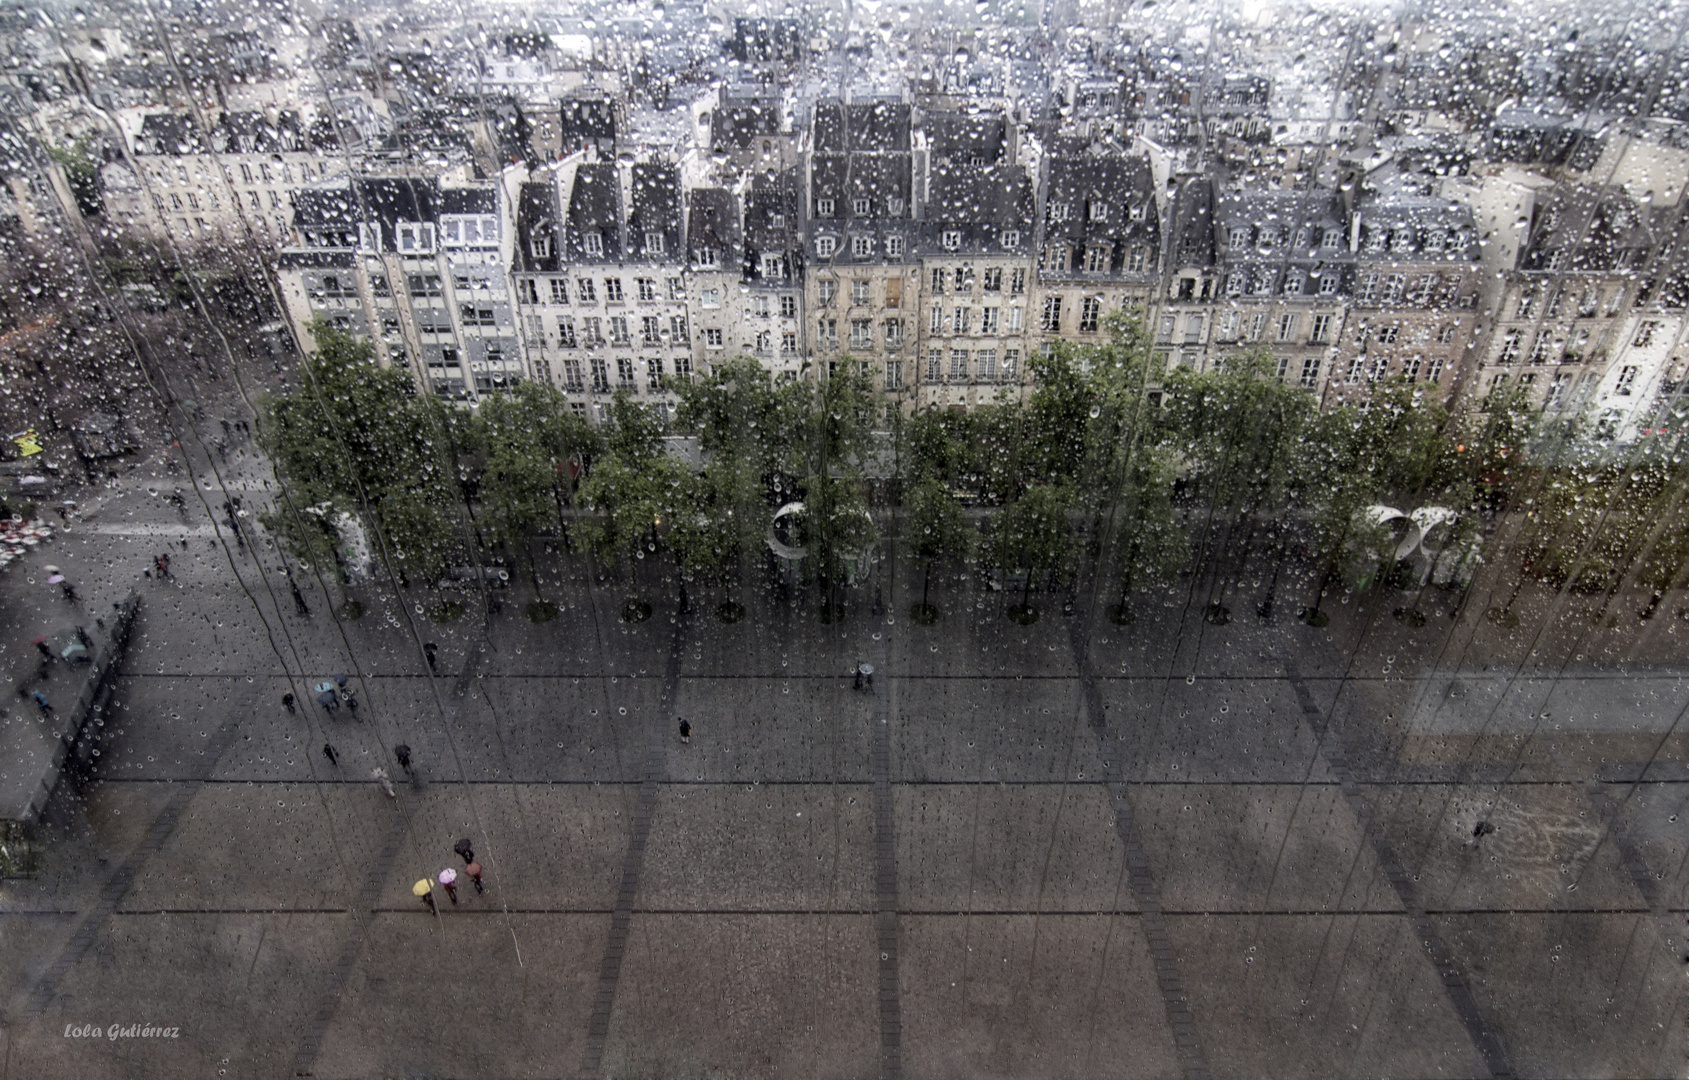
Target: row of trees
[{"x": 1111, "y": 471}]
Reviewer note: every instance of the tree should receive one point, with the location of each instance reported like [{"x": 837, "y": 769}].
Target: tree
[
  {"x": 936, "y": 531},
  {"x": 354, "y": 440},
  {"x": 831, "y": 437},
  {"x": 1032, "y": 534},
  {"x": 1150, "y": 545}
]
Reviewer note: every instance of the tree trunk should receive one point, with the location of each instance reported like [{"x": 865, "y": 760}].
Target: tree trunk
[
  {"x": 1026, "y": 594},
  {"x": 926, "y": 580}
]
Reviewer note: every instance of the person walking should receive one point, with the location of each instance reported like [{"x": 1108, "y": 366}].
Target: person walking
[
  {"x": 403, "y": 753},
  {"x": 41, "y": 701},
  {"x": 329, "y": 700},
  {"x": 328, "y": 752},
  {"x": 465, "y": 849},
  {"x": 424, "y": 890},
  {"x": 379, "y": 775},
  {"x": 351, "y": 702},
  {"x": 428, "y": 651},
  {"x": 448, "y": 880},
  {"x": 287, "y": 703},
  {"x": 857, "y": 685},
  {"x": 474, "y": 872},
  {"x": 298, "y": 597},
  {"x": 685, "y": 732}
]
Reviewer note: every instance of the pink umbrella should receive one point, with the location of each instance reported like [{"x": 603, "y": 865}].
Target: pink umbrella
[
  {"x": 447, "y": 876},
  {"x": 55, "y": 579}
]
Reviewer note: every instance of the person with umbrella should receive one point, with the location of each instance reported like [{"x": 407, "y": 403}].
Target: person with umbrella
[
  {"x": 448, "y": 879},
  {"x": 328, "y": 700},
  {"x": 54, "y": 577},
  {"x": 424, "y": 890}
]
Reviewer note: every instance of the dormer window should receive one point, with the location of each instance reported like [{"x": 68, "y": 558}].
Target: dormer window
[
  {"x": 825, "y": 246},
  {"x": 1239, "y": 237},
  {"x": 415, "y": 237},
  {"x": 778, "y": 221},
  {"x": 1099, "y": 211},
  {"x": 824, "y": 208},
  {"x": 654, "y": 244},
  {"x": 859, "y": 207},
  {"x": 593, "y": 242},
  {"x": 1136, "y": 213},
  {"x": 1060, "y": 211},
  {"x": 1435, "y": 240},
  {"x": 1375, "y": 240},
  {"x": 894, "y": 206},
  {"x": 1011, "y": 239},
  {"x": 952, "y": 239},
  {"x": 706, "y": 257},
  {"x": 1331, "y": 239},
  {"x": 539, "y": 245},
  {"x": 1401, "y": 240}
]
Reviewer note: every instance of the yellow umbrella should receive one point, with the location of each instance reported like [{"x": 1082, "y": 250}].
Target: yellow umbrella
[{"x": 422, "y": 888}]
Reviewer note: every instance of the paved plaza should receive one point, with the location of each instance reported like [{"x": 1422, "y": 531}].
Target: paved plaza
[{"x": 1071, "y": 849}]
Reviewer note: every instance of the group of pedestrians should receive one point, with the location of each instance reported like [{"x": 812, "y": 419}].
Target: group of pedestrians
[{"x": 424, "y": 888}]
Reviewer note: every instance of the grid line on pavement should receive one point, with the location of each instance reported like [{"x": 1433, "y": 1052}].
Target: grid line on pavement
[
  {"x": 621, "y": 919},
  {"x": 885, "y": 873},
  {"x": 380, "y": 868},
  {"x": 1141, "y": 881},
  {"x": 118, "y": 885},
  {"x": 1481, "y": 1030}
]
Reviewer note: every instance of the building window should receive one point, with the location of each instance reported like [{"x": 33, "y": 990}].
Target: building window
[
  {"x": 1257, "y": 325},
  {"x": 986, "y": 367},
  {"x": 1097, "y": 258},
  {"x": 1445, "y": 336},
  {"x": 624, "y": 373},
  {"x": 1645, "y": 334},
  {"x": 655, "y": 244},
  {"x": 861, "y": 247},
  {"x": 424, "y": 284},
  {"x": 566, "y": 332},
  {"x": 958, "y": 365},
  {"x": 1011, "y": 239},
  {"x": 529, "y": 290},
  {"x": 586, "y": 292},
  {"x": 1394, "y": 287},
  {"x": 1090, "y": 309},
  {"x": 765, "y": 342},
  {"x": 539, "y": 245},
  {"x": 648, "y": 330},
  {"x": 592, "y": 329},
  {"x": 760, "y": 306},
  {"x": 1164, "y": 333},
  {"x": 1234, "y": 282},
  {"x": 619, "y": 330},
  {"x": 824, "y": 208},
  {"x": 1322, "y": 328},
  {"x": 1193, "y": 328},
  {"x": 1060, "y": 211},
  {"x": 861, "y": 334},
  {"x": 1135, "y": 262},
  {"x": 654, "y": 374},
  {"x": 1310, "y": 372},
  {"x": 894, "y": 247},
  {"x": 894, "y": 206},
  {"x": 1627, "y": 380},
  {"x": 935, "y": 365},
  {"x": 859, "y": 291},
  {"x": 894, "y": 334},
  {"x": 1052, "y": 314},
  {"x": 952, "y": 239},
  {"x": 859, "y": 207},
  {"x": 789, "y": 306},
  {"x": 825, "y": 246},
  {"x": 593, "y": 242},
  {"x": 829, "y": 333},
  {"x": 572, "y": 376},
  {"x": 647, "y": 289},
  {"x": 712, "y": 338},
  {"x": 677, "y": 289},
  {"x": 1293, "y": 283},
  {"x": 1011, "y": 361},
  {"x": 1328, "y": 283},
  {"x": 1541, "y": 347},
  {"x": 789, "y": 342},
  {"x": 773, "y": 266},
  {"x": 677, "y": 329},
  {"x": 935, "y": 324},
  {"x": 1017, "y": 280},
  {"x": 613, "y": 290},
  {"x": 559, "y": 290},
  {"x": 988, "y": 320},
  {"x": 1369, "y": 286},
  {"x": 1389, "y": 335},
  {"x": 476, "y": 314},
  {"x": 825, "y": 291},
  {"x": 894, "y": 374}
]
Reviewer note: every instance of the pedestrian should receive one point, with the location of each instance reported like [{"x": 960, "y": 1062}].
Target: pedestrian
[
  {"x": 403, "y": 753},
  {"x": 340, "y": 681},
  {"x": 328, "y": 700},
  {"x": 43, "y": 649},
  {"x": 448, "y": 879},
  {"x": 298, "y": 597},
  {"x": 158, "y": 565},
  {"x": 164, "y": 563},
  {"x": 428, "y": 651},
  {"x": 465, "y": 849},
  {"x": 685, "y": 732},
  {"x": 868, "y": 677},
  {"x": 184, "y": 543},
  {"x": 474, "y": 872},
  {"x": 379, "y": 775},
  {"x": 352, "y": 702},
  {"x": 287, "y": 703},
  {"x": 424, "y": 890},
  {"x": 858, "y": 684},
  {"x": 328, "y": 752},
  {"x": 41, "y": 701}
]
